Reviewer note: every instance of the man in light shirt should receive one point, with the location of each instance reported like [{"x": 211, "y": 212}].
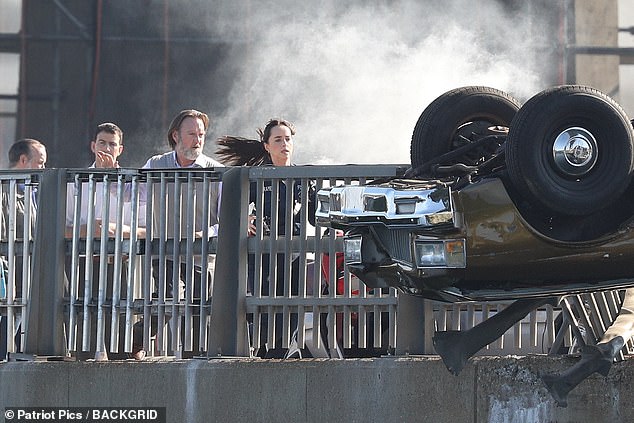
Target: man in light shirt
[
  {"x": 186, "y": 137},
  {"x": 107, "y": 146}
]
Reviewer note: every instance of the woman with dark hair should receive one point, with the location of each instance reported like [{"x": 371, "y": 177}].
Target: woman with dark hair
[{"x": 273, "y": 148}]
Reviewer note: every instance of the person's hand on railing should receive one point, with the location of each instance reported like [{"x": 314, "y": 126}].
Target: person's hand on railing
[
  {"x": 126, "y": 230},
  {"x": 111, "y": 229},
  {"x": 252, "y": 228}
]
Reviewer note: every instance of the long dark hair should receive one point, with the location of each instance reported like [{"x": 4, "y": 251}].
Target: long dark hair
[{"x": 239, "y": 151}]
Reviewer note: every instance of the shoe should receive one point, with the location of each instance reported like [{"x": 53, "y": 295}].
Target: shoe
[{"x": 138, "y": 353}]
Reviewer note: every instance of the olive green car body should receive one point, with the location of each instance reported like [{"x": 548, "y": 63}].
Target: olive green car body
[{"x": 504, "y": 256}]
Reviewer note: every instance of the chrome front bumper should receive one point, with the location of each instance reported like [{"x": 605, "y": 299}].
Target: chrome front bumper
[{"x": 354, "y": 205}]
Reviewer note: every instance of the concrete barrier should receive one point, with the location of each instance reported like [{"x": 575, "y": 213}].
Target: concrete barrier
[{"x": 394, "y": 389}]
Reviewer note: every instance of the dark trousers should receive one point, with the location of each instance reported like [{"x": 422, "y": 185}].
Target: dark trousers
[
  {"x": 170, "y": 283},
  {"x": 92, "y": 300},
  {"x": 4, "y": 337},
  {"x": 280, "y": 289}
]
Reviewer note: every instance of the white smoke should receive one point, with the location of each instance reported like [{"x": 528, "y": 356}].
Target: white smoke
[
  {"x": 355, "y": 78},
  {"x": 626, "y": 72}
]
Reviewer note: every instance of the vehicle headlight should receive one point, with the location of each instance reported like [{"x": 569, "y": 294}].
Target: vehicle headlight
[
  {"x": 324, "y": 203},
  {"x": 352, "y": 250},
  {"x": 446, "y": 253},
  {"x": 406, "y": 205}
]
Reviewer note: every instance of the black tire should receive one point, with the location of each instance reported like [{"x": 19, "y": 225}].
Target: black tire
[
  {"x": 570, "y": 181},
  {"x": 438, "y": 128}
]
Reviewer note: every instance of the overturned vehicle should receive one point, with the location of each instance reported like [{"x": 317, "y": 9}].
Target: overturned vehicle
[{"x": 502, "y": 200}]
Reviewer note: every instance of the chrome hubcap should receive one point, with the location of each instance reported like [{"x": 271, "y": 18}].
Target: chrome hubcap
[{"x": 575, "y": 151}]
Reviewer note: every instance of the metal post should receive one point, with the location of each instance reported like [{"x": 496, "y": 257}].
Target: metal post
[
  {"x": 45, "y": 311},
  {"x": 228, "y": 327},
  {"x": 410, "y": 325}
]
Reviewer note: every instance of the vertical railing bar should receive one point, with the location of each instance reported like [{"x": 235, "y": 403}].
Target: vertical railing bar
[
  {"x": 205, "y": 291},
  {"x": 74, "y": 275},
  {"x": 11, "y": 238},
  {"x": 162, "y": 271},
  {"x": 175, "y": 321},
  {"x": 148, "y": 189},
  {"x": 533, "y": 331},
  {"x": 303, "y": 245},
  {"x": 378, "y": 329},
  {"x": 317, "y": 279},
  {"x": 517, "y": 334},
  {"x": 117, "y": 266},
  {"x": 289, "y": 252},
  {"x": 258, "y": 258},
  {"x": 88, "y": 270},
  {"x": 333, "y": 327},
  {"x": 131, "y": 279},
  {"x": 27, "y": 238},
  {"x": 467, "y": 316},
  {"x": 272, "y": 313},
  {"x": 189, "y": 263},
  {"x": 501, "y": 339},
  {"x": 103, "y": 266}
]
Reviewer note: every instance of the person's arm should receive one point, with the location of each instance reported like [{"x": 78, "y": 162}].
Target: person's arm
[
  {"x": 215, "y": 203},
  {"x": 143, "y": 200},
  {"x": 70, "y": 211},
  {"x": 312, "y": 202},
  {"x": 213, "y": 230},
  {"x": 126, "y": 230},
  {"x": 142, "y": 218},
  {"x": 3, "y": 218}
]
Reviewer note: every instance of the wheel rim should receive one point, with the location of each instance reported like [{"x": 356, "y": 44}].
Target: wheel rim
[{"x": 575, "y": 151}]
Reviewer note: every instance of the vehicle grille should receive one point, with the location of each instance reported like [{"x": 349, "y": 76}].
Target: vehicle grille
[{"x": 396, "y": 241}]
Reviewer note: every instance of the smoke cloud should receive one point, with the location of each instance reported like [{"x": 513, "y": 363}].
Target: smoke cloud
[{"x": 355, "y": 78}]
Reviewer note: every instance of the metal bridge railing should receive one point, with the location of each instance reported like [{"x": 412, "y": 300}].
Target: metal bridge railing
[
  {"x": 299, "y": 307},
  {"x": 67, "y": 293},
  {"x": 533, "y": 334},
  {"x": 18, "y": 191}
]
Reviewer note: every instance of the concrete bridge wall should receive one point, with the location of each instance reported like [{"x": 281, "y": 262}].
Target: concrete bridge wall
[{"x": 398, "y": 389}]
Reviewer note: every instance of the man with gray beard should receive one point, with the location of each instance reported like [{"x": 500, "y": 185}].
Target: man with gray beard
[{"x": 186, "y": 137}]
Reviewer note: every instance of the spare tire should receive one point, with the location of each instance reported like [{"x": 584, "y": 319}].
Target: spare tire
[
  {"x": 450, "y": 120},
  {"x": 569, "y": 150}
]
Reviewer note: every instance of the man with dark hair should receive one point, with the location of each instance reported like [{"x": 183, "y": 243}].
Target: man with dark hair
[
  {"x": 186, "y": 137},
  {"x": 26, "y": 153},
  {"x": 107, "y": 146}
]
